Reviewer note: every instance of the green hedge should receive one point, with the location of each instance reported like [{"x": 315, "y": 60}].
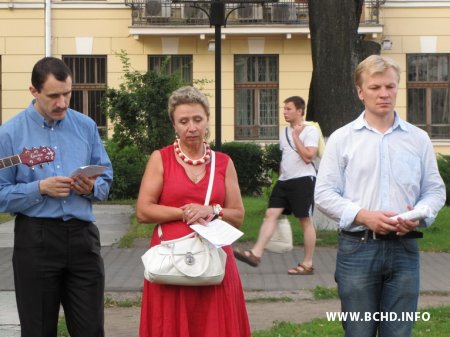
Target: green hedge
[
  {"x": 248, "y": 159},
  {"x": 128, "y": 167},
  {"x": 254, "y": 166},
  {"x": 272, "y": 157},
  {"x": 444, "y": 169}
]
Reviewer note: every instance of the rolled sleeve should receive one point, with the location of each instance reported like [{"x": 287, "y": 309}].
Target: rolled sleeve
[{"x": 348, "y": 216}]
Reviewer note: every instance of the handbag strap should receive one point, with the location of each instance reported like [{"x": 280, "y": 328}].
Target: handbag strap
[
  {"x": 287, "y": 138},
  {"x": 289, "y": 142},
  {"x": 211, "y": 178},
  {"x": 210, "y": 186}
]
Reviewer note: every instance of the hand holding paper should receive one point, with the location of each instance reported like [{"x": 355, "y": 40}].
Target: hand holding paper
[
  {"x": 90, "y": 171},
  {"x": 415, "y": 214},
  {"x": 218, "y": 232}
]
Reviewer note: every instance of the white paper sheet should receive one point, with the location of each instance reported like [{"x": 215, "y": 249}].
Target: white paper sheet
[
  {"x": 90, "y": 170},
  {"x": 218, "y": 232}
]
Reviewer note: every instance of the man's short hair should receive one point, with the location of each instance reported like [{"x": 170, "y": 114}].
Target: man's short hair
[
  {"x": 298, "y": 102},
  {"x": 46, "y": 66},
  {"x": 375, "y": 64}
]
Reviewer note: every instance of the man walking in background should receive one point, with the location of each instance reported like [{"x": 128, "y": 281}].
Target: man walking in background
[{"x": 294, "y": 190}]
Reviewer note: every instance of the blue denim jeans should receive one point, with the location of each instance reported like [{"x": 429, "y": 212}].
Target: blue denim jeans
[{"x": 377, "y": 276}]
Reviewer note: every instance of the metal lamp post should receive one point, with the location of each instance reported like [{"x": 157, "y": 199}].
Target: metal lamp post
[{"x": 217, "y": 18}]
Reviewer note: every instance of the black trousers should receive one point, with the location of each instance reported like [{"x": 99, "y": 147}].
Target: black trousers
[{"x": 58, "y": 262}]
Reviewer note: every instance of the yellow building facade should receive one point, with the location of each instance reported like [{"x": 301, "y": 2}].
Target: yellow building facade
[{"x": 265, "y": 55}]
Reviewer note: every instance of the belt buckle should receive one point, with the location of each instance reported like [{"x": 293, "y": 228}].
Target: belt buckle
[{"x": 374, "y": 236}]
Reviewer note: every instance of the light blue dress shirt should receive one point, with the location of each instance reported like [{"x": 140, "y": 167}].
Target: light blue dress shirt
[
  {"x": 75, "y": 141},
  {"x": 363, "y": 168}
]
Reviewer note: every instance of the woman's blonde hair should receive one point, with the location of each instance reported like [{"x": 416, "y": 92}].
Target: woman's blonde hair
[
  {"x": 187, "y": 95},
  {"x": 375, "y": 64}
]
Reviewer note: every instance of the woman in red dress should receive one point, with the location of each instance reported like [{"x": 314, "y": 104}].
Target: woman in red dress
[{"x": 172, "y": 194}]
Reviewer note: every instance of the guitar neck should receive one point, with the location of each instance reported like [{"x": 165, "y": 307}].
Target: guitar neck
[{"x": 9, "y": 161}]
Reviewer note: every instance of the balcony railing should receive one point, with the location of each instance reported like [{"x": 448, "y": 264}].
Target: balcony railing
[{"x": 283, "y": 12}]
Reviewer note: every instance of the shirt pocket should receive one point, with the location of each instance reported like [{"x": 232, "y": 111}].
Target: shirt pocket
[{"x": 406, "y": 169}]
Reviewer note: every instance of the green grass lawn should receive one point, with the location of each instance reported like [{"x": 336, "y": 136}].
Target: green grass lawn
[
  {"x": 4, "y": 217},
  {"x": 255, "y": 209},
  {"x": 438, "y": 325},
  {"x": 435, "y": 238}
]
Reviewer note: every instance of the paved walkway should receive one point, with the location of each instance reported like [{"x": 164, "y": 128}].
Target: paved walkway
[{"x": 124, "y": 274}]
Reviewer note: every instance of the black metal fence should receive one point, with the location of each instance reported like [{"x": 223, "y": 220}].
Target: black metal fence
[{"x": 281, "y": 12}]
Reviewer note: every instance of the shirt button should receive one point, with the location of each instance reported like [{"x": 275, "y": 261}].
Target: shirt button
[
  {"x": 55, "y": 147},
  {"x": 57, "y": 166}
]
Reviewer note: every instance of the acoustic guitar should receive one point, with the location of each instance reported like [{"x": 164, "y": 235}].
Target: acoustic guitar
[{"x": 29, "y": 157}]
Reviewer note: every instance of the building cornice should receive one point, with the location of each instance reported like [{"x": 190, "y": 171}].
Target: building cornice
[
  {"x": 415, "y": 4},
  {"x": 236, "y": 30},
  {"x": 65, "y": 5}
]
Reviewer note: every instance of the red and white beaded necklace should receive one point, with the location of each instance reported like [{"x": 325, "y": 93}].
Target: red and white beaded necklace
[{"x": 206, "y": 154}]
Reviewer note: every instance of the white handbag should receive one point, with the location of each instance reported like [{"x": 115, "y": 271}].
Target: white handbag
[
  {"x": 281, "y": 240},
  {"x": 190, "y": 260}
]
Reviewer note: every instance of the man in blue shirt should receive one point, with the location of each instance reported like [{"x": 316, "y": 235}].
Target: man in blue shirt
[
  {"x": 373, "y": 170},
  {"x": 56, "y": 257}
]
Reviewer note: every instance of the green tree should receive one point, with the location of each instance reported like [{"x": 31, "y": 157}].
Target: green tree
[
  {"x": 138, "y": 108},
  {"x": 336, "y": 49}
]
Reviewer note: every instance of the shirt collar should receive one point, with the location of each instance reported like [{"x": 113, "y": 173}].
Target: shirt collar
[
  {"x": 38, "y": 118},
  {"x": 361, "y": 123}
]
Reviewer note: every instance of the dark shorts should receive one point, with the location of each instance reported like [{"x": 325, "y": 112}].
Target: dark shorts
[{"x": 295, "y": 196}]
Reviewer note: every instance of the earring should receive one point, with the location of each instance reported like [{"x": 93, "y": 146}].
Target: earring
[
  {"x": 176, "y": 135},
  {"x": 207, "y": 134}
]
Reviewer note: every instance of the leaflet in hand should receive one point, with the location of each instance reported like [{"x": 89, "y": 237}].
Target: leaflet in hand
[
  {"x": 415, "y": 214},
  {"x": 218, "y": 232},
  {"x": 90, "y": 170}
]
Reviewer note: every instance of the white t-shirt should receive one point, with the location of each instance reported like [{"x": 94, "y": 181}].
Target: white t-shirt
[{"x": 292, "y": 165}]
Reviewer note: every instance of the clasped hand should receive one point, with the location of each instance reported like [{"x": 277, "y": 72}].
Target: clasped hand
[
  {"x": 380, "y": 222},
  {"x": 195, "y": 213}
]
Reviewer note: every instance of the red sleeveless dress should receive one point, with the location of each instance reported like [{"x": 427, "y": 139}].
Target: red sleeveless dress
[{"x": 186, "y": 311}]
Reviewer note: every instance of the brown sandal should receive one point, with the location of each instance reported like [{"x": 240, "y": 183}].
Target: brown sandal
[
  {"x": 247, "y": 256},
  {"x": 301, "y": 269}
]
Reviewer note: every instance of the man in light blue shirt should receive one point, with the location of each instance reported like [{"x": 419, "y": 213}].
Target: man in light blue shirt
[
  {"x": 373, "y": 169},
  {"x": 56, "y": 257}
]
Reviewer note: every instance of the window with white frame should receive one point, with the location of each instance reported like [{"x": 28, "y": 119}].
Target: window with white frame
[
  {"x": 256, "y": 97},
  {"x": 428, "y": 88},
  {"x": 88, "y": 87}
]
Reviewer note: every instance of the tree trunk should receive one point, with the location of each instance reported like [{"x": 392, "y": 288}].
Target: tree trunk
[{"x": 336, "y": 49}]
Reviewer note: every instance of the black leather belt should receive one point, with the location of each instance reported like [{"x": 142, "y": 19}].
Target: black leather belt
[
  {"x": 53, "y": 220},
  {"x": 368, "y": 234}
]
